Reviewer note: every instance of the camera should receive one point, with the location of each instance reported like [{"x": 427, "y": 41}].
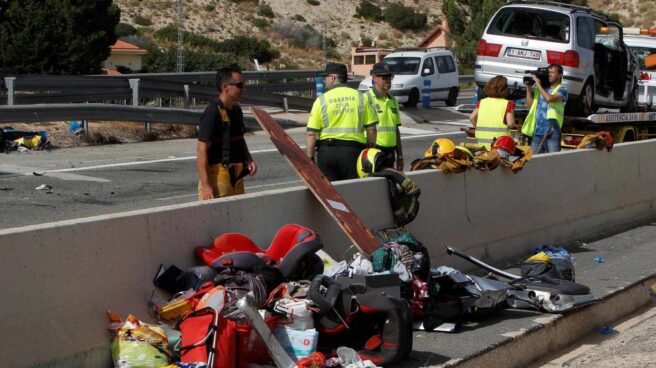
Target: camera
[{"x": 541, "y": 73}]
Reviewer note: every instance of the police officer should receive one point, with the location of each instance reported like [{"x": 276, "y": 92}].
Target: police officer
[
  {"x": 341, "y": 124},
  {"x": 388, "y": 136}
]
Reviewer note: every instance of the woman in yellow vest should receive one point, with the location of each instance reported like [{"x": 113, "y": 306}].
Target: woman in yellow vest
[{"x": 494, "y": 115}]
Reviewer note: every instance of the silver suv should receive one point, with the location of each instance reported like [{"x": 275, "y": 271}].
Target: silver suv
[{"x": 599, "y": 70}]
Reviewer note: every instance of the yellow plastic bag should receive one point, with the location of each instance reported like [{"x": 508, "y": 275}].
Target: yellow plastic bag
[{"x": 136, "y": 344}]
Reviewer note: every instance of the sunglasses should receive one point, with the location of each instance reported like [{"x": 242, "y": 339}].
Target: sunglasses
[{"x": 239, "y": 85}]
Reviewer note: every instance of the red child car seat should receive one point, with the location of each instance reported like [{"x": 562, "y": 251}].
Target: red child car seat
[{"x": 291, "y": 245}]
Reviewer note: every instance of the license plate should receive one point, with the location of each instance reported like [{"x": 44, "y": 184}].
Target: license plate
[{"x": 524, "y": 54}]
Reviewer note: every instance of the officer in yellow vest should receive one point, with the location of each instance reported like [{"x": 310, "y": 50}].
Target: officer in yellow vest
[
  {"x": 342, "y": 123},
  {"x": 388, "y": 136},
  {"x": 545, "y": 117},
  {"x": 494, "y": 115}
]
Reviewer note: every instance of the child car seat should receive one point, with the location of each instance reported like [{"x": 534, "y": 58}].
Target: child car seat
[{"x": 290, "y": 248}]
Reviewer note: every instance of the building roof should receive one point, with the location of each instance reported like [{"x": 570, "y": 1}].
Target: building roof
[
  {"x": 435, "y": 32},
  {"x": 122, "y": 47}
]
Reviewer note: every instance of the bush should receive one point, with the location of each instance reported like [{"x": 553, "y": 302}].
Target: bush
[
  {"x": 170, "y": 33},
  {"x": 260, "y": 23},
  {"x": 313, "y": 2},
  {"x": 401, "y": 17},
  {"x": 249, "y": 47},
  {"x": 124, "y": 29},
  {"x": 301, "y": 36},
  {"x": 142, "y": 21},
  {"x": 265, "y": 10},
  {"x": 368, "y": 10},
  {"x": 210, "y": 7},
  {"x": 299, "y": 18},
  {"x": 165, "y": 61}
]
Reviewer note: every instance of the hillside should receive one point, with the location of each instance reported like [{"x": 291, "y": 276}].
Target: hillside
[
  {"x": 633, "y": 13},
  {"x": 222, "y": 19}
]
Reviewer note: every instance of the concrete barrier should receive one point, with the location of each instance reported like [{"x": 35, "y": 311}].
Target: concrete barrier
[{"x": 58, "y": 279}]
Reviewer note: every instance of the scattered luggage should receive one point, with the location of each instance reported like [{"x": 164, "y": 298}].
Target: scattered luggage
[{"x": 540, "y": 292}]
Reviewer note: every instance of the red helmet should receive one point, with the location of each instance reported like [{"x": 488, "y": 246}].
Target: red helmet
[
  {"x": 505, "y": 143},
  {"x": 607, "y": 137}
]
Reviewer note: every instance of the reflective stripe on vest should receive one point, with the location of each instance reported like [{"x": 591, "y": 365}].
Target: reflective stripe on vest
[
  {"x": 489, "y": 125},
  {"x": 386, "y": 108},
  {"x": 341, "y": 119}
]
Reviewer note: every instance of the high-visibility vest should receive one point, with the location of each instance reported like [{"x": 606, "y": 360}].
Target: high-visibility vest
[
  {"x": 341, "y": 113},
  {"x": 489, "y": 124},
  {"x": 555, "y": 110},
  {"x": 387, "y": 109}
]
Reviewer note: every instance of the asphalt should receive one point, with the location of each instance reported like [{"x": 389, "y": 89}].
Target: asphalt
[
  {"x": 628, "y": 257},
  {"x": 89, "y": 181}
]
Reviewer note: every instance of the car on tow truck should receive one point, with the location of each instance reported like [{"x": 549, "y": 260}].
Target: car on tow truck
[
  {"x": 599, "y": 70},
  {"x": 642, "y": 42}
]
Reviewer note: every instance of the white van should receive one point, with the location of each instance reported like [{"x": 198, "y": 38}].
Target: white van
[{"x": 411, "y": 66}]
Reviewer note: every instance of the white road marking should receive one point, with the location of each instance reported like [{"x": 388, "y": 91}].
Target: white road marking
[
  {"x": 463, "y": 123},
  {"x": 124, "y": 164},
  {"x": 140, "y": 162}
]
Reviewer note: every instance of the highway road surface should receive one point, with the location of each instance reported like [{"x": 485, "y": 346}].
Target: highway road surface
[{"x": 87, "y": 181}]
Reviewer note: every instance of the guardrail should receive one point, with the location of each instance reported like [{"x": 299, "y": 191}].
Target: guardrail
[{"x": 43, "y": 98}]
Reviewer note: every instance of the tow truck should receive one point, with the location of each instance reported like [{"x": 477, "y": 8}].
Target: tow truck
[{"x": 623, "y": 126}]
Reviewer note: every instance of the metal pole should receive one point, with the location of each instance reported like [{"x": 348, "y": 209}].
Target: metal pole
[
  {"x": 186, "y": 96},
  {"x": 285, "y": 107},
  {"x": 323, "y": 44},
  {"x": 180, "y": 66},
  {"x": 9, "y": 82}
]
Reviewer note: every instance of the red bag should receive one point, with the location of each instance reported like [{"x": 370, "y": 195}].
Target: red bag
[
  {"x": 250, "y": 347},
  {"x": 208, "y": 338}
]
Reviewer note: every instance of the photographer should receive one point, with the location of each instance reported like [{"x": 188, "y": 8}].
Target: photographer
[{"x": 545, "y": 118}]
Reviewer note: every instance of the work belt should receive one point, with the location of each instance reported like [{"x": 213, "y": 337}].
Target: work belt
[
  {"x": 339, "y": 143},
  {"x": 232, "y": 170}
]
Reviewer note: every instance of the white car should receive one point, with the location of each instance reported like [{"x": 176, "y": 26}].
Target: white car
[
  {"x": 411, "y": 66},
  {"x": 598, "y": 69},
  {"x": 642, "y": 46}
]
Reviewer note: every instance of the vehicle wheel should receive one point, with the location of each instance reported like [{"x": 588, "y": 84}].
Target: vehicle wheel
[
  {"x": 584, "y": 104},
  {"x": 413, "y": 99},
  {"x": 629, "y": 136},
  {"x": 453, "y": 97},
  {"x": 632, "y": 103}
]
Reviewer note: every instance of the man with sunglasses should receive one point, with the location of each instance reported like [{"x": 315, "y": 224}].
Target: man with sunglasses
[
  {"x": 388, "y": 136},
  {"x": 341, "y": 124},
  {"x": 222, "y": 156}
]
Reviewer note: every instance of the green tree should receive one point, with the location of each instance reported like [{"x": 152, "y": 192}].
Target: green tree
[
  {"x": 124, "y": 29},
  {"x": 367, "y": 10},
  {"x": 402, "y": 17},
  {"x": 467, "y": 20},
  {"x": 56, "y": 36}
]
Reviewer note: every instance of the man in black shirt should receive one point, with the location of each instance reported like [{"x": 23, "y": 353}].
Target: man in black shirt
[{"x": 222, "y": 156}]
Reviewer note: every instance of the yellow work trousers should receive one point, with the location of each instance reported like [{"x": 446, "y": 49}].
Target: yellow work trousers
[{"x": 219, "y": 177}]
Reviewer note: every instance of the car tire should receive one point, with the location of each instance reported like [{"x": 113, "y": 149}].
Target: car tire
[
  {"x": 632, "y": 103},
  {"x": 584, "y": 104},
  {"x": 413, "y": 99},
  {"x": 453, "y": 97}
]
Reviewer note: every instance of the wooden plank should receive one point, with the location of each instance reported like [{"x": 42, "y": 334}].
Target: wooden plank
[{"x": 319, "y": 185}]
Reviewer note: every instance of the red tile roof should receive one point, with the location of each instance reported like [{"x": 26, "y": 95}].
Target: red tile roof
[{"x": 122, "y": 47}]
